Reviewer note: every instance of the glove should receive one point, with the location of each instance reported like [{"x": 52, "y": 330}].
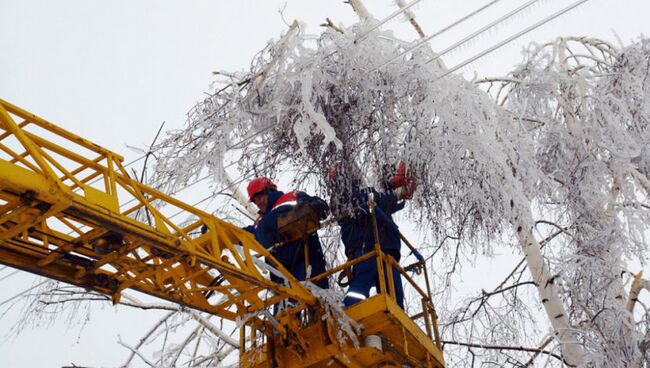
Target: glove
[
  {"x": 403, "y": 182},
  {"x": 399, "y": 179},
  {"x": 410, "y": 186}
]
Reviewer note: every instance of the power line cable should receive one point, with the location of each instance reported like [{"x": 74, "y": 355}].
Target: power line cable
[
  {"x": 511, "y": 38},
  {"x": 482, "y": 29},
  {"x": 236, "y": 144},
  {"x": 443, "y": 30},
  {"x": 232, "y": 146}
]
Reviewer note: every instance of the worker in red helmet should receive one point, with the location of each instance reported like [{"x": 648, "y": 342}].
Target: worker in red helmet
[
  {"x": 293, "y": 254},
  {"x": 258, "y": 190}
]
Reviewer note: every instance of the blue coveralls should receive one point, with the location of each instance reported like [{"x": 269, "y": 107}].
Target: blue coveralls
[
  {"x": 291, "y": 255},
  {"x": 357, "y": 234}
]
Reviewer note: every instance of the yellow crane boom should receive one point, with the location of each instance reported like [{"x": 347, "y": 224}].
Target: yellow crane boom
[{"x": 70, "y": 211}]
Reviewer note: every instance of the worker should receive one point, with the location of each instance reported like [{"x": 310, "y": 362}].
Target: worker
[
  {"x": 351, "y": 206},
  {"x": 293, "y": 254}
]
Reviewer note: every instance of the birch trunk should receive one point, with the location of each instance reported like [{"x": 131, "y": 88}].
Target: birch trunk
[{"x": 555, "y": 311}]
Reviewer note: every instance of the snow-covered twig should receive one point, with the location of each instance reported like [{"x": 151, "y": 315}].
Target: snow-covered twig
[
  {"x": 144, "y": 338},
  {"x": 214, "y": 329},
  {"x": 136, "y": 352}
]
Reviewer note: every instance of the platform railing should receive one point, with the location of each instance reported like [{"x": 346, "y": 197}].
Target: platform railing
[{"x": 426, "y": 312}]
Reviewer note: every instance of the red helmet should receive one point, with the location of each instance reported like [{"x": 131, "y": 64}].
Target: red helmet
[{"x": 258, "y": 185}]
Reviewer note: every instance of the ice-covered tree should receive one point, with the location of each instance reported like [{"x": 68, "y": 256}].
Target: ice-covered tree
[
  {"x": 309, "y": 103},
  {"x": 555, "y": 164},
  {"x": 583, "y": 105},
  {"x": 562, "y": 147}
]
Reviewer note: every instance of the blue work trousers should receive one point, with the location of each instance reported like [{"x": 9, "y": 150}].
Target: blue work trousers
[{"x": 365, "y": 276}]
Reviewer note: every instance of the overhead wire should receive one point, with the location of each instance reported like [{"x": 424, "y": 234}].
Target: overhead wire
[
  {"x": 423, "y": 41},
  {"x": 482, "y": 29},
  {"x": 235, "y": 182},
  {"x": 232, "y": 146},
  {"x": 511, "y": 38}
]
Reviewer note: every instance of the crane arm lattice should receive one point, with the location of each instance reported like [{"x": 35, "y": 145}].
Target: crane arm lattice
[{"x": 70, "y": 211}]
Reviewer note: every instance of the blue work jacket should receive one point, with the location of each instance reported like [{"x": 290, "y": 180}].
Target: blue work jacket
[
  {"x": 292, "y": 253},
  {"x": 357, "y": 232}
]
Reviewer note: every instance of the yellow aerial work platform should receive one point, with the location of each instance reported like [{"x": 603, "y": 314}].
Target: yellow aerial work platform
[{"x": 70, "y": 211}]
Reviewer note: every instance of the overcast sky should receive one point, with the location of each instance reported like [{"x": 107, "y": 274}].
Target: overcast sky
[{"x": 113, "y": 71}]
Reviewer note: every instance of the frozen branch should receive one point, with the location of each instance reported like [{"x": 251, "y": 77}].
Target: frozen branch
[
  {"x": 411, "y": 17},
  {"x": 136, "y": 352},
  {"x": 179, "y": 349},
  {"x": 145, "y": 338},
  {"x": 360, "y": 9},
  {"x": 504, "y": 347},
  {"x": 330, "y": 24},
  {"x": 214, "y": 329},
  {"x": 637, "y": 285},
  {"x": 541, "y": 349}
]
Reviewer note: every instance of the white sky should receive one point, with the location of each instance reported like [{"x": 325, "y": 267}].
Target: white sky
[{"x": 113, "y": 71}]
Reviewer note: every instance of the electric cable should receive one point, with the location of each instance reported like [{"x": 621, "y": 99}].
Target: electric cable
[
  {"x": 482, "y": 29},
  {"x": 511, "y": 38},
  {"x": 438, "y": 33}
]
